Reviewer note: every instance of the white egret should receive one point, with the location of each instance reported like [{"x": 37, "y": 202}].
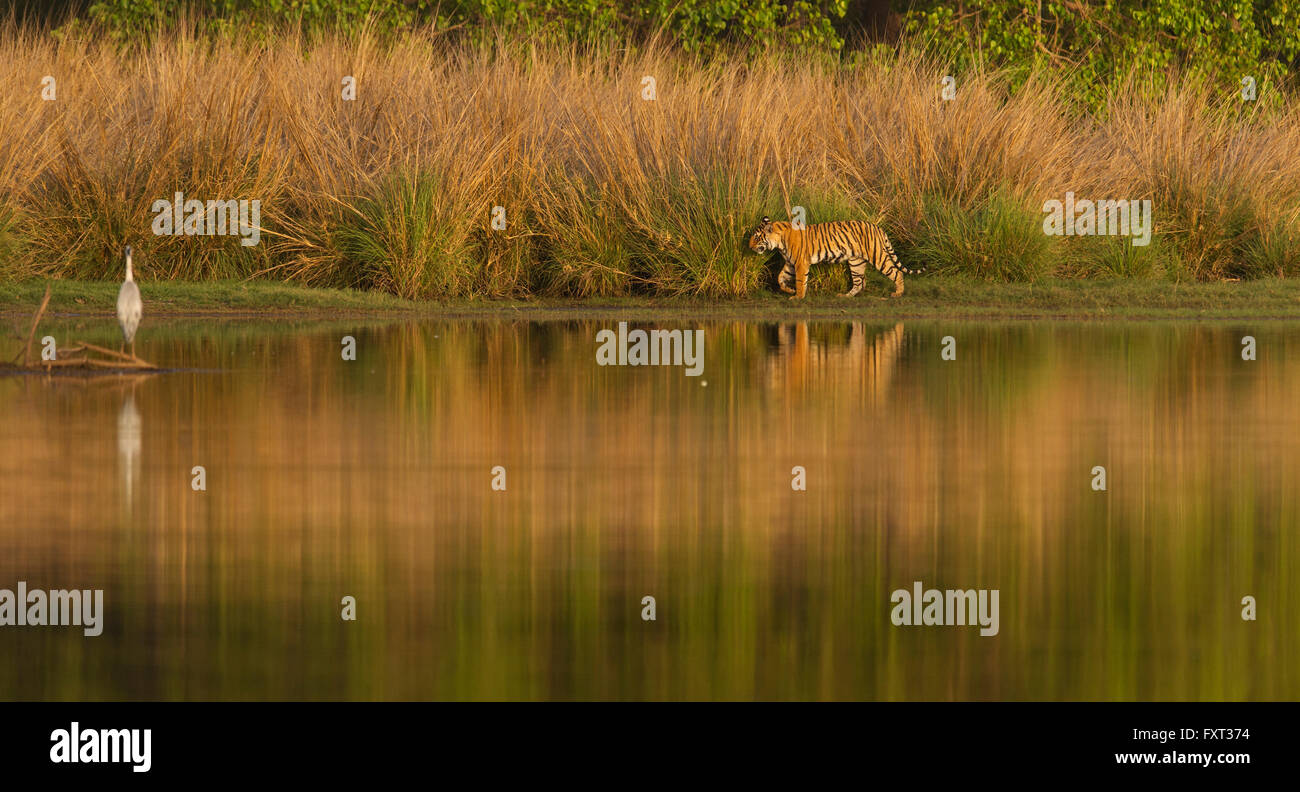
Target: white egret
[{"x": 129, "y": 306}]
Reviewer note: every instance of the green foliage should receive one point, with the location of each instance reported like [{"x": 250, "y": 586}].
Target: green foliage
[
  {"x": 1230, "y": 39},
  {"x": 1096, "y": 42},
  {"x": 127, "y": 19},
  {"x": 693, "y": 24}
]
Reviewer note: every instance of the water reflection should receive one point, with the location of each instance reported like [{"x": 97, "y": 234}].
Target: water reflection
[
  {"x": 856, "y": 355},
  {"x": 371, "y": 479},
  {"x": 128, "y": 447}
]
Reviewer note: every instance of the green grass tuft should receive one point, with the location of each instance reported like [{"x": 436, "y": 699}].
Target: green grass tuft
[{"x": 998, "y": 240}]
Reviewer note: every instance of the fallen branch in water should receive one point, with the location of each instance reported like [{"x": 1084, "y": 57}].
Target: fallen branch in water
[
  {"x": 105, "y": 351},
  {"x": 36, "y": 320}
]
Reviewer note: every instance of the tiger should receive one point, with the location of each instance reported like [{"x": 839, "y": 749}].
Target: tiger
[{"x": 856, "y": 242}]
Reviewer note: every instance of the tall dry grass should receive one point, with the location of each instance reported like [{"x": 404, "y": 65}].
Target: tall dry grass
[{"x": 605, "y": 192}]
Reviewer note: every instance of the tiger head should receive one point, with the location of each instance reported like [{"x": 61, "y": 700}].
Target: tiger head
[{"x": 765, "y": 237}]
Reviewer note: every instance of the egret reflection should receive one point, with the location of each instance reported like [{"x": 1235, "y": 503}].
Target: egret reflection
[{"x": 128, "y": 446}]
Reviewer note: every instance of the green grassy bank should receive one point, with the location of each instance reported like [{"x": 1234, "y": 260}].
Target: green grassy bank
[{"x": 934, "y": 297}]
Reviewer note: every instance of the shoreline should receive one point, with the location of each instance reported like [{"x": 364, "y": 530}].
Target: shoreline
[{"x": 933, "y": 297}]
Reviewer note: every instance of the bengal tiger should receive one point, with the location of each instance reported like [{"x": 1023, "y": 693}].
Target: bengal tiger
[{"x": 856, "y": 242}]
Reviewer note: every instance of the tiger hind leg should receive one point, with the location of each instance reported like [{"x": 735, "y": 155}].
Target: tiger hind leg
[
  {"x": 897, "y": 277},
  {"x": 894, "y": 273}
]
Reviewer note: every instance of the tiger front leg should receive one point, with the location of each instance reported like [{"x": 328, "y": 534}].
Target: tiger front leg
[
  {"x": 800, "y": 278},
  {"x": 786, "y": 277}
]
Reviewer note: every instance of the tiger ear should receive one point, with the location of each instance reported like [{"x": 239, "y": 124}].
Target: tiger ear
[{"x": 766, "y": 220}]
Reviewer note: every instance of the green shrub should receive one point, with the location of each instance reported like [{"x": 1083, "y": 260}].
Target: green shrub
[
  {"x": 691, "y": 238},
  {"x": 1116, "y": 257},
  {"x": 407, "y": 240},
  {"x": 693, "y": 24},
  {"x": 585, "y": 251},
  {"x": 1096, "y": 42},
  {"x": 1271, "y": 250},
  {"x": 998, "y": 240}
]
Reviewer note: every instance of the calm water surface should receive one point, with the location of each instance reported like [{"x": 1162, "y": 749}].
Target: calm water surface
[{"x": 372, "y": 479}]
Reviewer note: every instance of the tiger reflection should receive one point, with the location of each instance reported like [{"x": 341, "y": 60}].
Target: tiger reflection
[{"x": 864, "y": 361}]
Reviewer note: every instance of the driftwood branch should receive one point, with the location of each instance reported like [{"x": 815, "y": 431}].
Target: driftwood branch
[
  {"x": 27, "y": 351},
  {"x": 101, "y": 350},
  {"x": 96, "y": 363}
]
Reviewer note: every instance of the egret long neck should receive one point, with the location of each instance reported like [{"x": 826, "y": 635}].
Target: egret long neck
[{"x": 129, "y": 275}]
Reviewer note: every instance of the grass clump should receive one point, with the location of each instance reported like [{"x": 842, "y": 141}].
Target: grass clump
[
  {"x": 1116, "y": 257},
  {"x": 408, "y": 240},
  {"x": 998, "y": 239}
]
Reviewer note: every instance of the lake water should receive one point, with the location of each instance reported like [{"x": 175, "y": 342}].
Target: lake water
[{"x": 372, "y": 478}]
